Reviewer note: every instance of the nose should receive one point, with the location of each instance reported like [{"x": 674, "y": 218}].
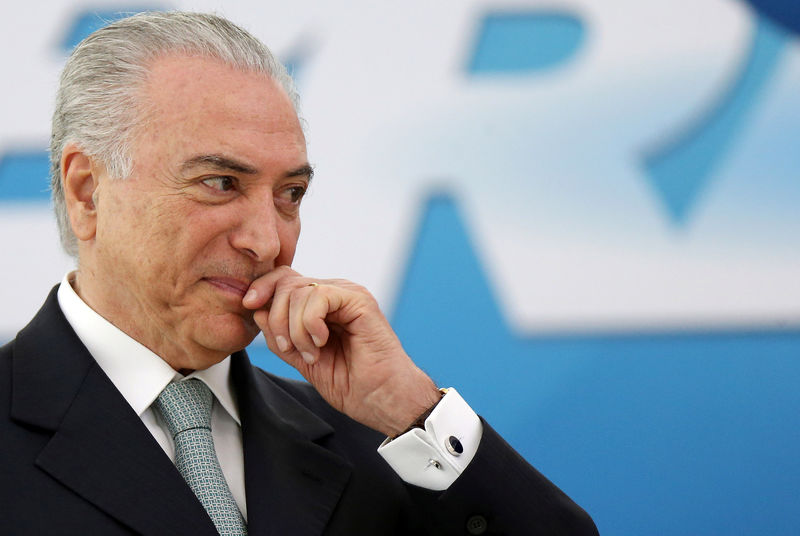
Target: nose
[{"x": 257, "y": 233}]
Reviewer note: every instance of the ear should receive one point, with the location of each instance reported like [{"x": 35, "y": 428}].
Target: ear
[{"x": 80, "y": 180}]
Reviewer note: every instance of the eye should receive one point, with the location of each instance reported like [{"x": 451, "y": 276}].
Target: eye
[
  {"x": 221, "y": 184},
  {"x": 292, "y": 195},
  {"x": 296, "y": 193}
]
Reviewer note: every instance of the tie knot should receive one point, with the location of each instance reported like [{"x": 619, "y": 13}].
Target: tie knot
[{"x": 186, "y": 405}]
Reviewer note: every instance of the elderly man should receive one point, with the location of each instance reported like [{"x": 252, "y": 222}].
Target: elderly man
[{"x": 128, "y": 404}]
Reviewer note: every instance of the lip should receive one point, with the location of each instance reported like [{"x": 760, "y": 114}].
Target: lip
[{"x": 229, "y": 285}]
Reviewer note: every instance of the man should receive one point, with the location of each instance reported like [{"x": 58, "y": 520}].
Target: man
[{"x": 179, "y": 165}]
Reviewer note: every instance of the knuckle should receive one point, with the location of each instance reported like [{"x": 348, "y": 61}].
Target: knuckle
[
  {"x": 285, "y": 269},
  {"x": 361, "y": 290},
  {"x": 298, "y": 292},
  {"x": 275, "y": 325}
]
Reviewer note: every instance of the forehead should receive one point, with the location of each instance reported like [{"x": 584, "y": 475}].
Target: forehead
[{"x": 196, "y": 105}]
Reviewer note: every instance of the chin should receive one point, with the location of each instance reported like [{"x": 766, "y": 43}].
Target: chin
[{"x": 229, "y": 335}]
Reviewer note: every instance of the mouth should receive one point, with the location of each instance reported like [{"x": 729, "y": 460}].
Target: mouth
[{"x": 230, "y": 285}]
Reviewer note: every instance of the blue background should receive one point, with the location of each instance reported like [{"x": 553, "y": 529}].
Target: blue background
[{"x": 664, "y": 432}]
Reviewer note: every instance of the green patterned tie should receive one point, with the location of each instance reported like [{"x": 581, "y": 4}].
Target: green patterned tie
[{"x": 186, "y": 407}]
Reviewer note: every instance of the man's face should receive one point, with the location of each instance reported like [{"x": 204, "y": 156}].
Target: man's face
[{"x": 219, "y": 169}]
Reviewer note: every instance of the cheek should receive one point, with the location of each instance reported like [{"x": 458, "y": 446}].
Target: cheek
[
  {"x": 163, "y": 233},
  {"x": 202, "y": 235},
  {"x": 162, "y": 238},
  {"x": 288, "y": 236},
  {"x": 119, "y": 227}
]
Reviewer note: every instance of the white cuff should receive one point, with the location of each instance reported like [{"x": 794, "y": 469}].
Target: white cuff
[{"x": 423, "y": 457}]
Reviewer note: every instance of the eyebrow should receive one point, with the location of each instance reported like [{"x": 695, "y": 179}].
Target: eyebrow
[
  {"x": 224, "y": 163},
  {"x": 218, "y": 162},
  {"x": 303, "y": 171}
]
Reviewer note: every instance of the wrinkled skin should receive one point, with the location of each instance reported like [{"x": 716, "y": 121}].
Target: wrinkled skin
[{"x": 190, "y": 255}]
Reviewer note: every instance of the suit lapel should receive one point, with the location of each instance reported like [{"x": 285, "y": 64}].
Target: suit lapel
[
  {"x": 293, "y": 484},
  {"x": 100, "y": 449},
  {"x": 104, "y": 453}
]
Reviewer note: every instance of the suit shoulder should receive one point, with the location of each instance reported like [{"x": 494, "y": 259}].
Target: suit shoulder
[{"x": 6, "y": 350}]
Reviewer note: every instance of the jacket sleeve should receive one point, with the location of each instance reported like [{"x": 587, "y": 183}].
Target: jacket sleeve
[{"x": 500, "y": 493}]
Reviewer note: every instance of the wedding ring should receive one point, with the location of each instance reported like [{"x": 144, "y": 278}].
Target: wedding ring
[{"x": 313, "y": 284}]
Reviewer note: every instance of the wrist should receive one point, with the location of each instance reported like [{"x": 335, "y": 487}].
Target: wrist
[
  {"x": 396, "y": 406},
  {"x": 419, "y": 422}
]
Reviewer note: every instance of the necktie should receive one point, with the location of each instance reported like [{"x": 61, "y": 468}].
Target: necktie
[{"x": 186, "y": 407}]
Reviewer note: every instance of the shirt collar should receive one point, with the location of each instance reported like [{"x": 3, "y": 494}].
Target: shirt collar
[{"x": 138, "y": 373}]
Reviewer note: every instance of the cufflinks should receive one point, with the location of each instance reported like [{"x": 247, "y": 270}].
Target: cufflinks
[{"x": 453, "y": 446}]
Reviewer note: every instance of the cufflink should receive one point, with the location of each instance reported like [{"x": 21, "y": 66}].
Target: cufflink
[{"x": 454, "y": 446}]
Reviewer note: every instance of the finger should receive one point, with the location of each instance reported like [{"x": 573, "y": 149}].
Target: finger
[
  {"x": 292, "y": 358},
  {"x": 279, "y": 307},
  {"x": 262, "y": 289},
  {"x": 260, "y": 318},
  {"x": 300, "y": 337},
  {"x": 278, "y": 317},
  {"x": 321, "y": 301}
]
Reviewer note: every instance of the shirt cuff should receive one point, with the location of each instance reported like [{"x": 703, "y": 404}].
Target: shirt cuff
[{"x": 429, "y": 458}]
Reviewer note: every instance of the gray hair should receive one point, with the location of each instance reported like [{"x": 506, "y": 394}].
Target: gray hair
[{"x": 96, "y": 103}]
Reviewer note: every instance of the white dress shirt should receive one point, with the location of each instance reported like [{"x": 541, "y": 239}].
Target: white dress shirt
[
  {"x": 140, "y": 375},
  {"x": 419, "y": 457}
]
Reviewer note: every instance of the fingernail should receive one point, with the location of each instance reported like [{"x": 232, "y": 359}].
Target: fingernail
[
  {"x": 316, "y": 341},
  {"x": 308, "y": 357},
  {"x": 283, "y": 344},
  {"x": 251, "y": 295}
]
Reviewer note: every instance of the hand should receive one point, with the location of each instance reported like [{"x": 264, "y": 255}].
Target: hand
[{"x": 334, "y": 334}]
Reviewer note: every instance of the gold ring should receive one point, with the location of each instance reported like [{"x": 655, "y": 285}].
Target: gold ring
[{"x": 313, "y": 284}]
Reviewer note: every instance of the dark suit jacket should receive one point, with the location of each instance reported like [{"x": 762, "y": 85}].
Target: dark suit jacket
[{"x": 76, "y": 459}]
